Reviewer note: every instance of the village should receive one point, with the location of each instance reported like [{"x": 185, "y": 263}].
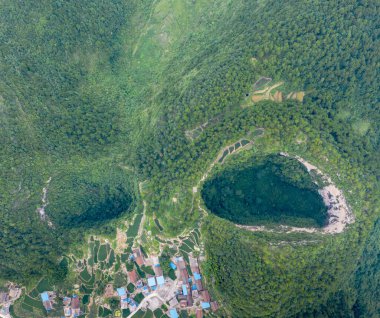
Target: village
[
  {"x": 155, "y": 292},
  {"x": 184, "y": 293},
  {"x": 8, "y": 296}
]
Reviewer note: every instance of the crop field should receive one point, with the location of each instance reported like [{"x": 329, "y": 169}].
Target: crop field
[
  {"x": 104, "y": 312},
  {"x": 102, "y": 254},
  {"x": 103, "y": 263},
  {"x": 133, "y": 230},
  {"x": 85, "y": 275},
  {"x": 89, "y": 278},
  {"x": 126, "y": 313},
  {"x": 36, "y": 303},
  {"x": 85, "y": 299},
  {"x": 43, "y": 285},
  {"x": 139, "y": 314}
]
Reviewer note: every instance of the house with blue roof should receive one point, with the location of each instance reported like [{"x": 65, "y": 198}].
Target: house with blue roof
[
  {"x": 145, "y": 291},
  {"x": 205, "y": 305},
  {"x": 173, "y": 313},
  {"x": 172, "y": 266},
  {"x": 151, "y": 282},
  {"x": 184, "y": 290},
  {"x": 46, "y": 301},
  {"x": 45, "y": 296},
  {"x": 160, "y": 280},
  {"x": 121, "y": 292},
  {"x": 197, "y": 276}
]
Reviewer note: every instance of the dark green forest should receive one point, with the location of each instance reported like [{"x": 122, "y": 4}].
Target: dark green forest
[
  {"x": 259, "y": 193},
  {"x": 97, "y": 96}
]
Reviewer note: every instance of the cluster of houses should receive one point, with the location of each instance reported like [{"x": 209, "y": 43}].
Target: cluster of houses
[
  {"x": 126, "y": 301},
  {"x": 145, "y": 287},
  {"x": 191, "y": 293},
  {"x": 187, "y": 292},
  {"x": 71, "y": 307},
  {"x": 155, "y": 280},
  {"x": 10, "y": 293}
]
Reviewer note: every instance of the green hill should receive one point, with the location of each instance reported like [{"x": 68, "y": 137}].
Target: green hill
[{"x": 98, "y": 96}]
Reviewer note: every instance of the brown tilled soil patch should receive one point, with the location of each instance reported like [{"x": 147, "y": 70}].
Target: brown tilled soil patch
[
  {"x": 300, "y": 96},
  {"x": 257, "y": 98},
  {"x": 278, "y": 97}
]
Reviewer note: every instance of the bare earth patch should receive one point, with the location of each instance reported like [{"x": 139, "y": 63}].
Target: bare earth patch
[
  {"x": 270, "y": 93},
  {"x": 41, "y": 210},
  {"x": 121, "y": 240}
]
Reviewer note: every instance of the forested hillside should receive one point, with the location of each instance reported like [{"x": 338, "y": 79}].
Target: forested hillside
[
  {"x": 61, "y": 117},
  {"x": 98, "y": 96}
]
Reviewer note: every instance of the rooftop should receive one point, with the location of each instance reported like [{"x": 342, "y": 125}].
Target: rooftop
[
  {"x": 160, "y": 280},
  {"x": 197, "y": 276},
  {"x": 45, "y": 296},
  {"x": 205, "y": 305},
  {"x": 184, "y": 290},
  {"x": 121, "y": 292},
  {"x": 173, "y": 313},
  {"x": 133, "y": 277},
  {"x": 75, "y": 303},
  {"x": 172, "y": 265},
  {"x": 151, "y": 281}
]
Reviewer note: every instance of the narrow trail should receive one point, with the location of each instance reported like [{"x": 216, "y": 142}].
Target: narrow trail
[
  {"x": 145, "y": 30},
  {"x": 272, "y": 88}
]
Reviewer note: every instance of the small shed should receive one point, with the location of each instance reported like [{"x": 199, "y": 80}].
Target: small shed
[
  {"x": 197, "y": 276},
  {"x": 214, "y": 306},
  {"x": 184, "y": 290},
  {"x": 172, "y": 266},
  {"x": 45, "y": 296},
  {"x": 205, "y": 295}
]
